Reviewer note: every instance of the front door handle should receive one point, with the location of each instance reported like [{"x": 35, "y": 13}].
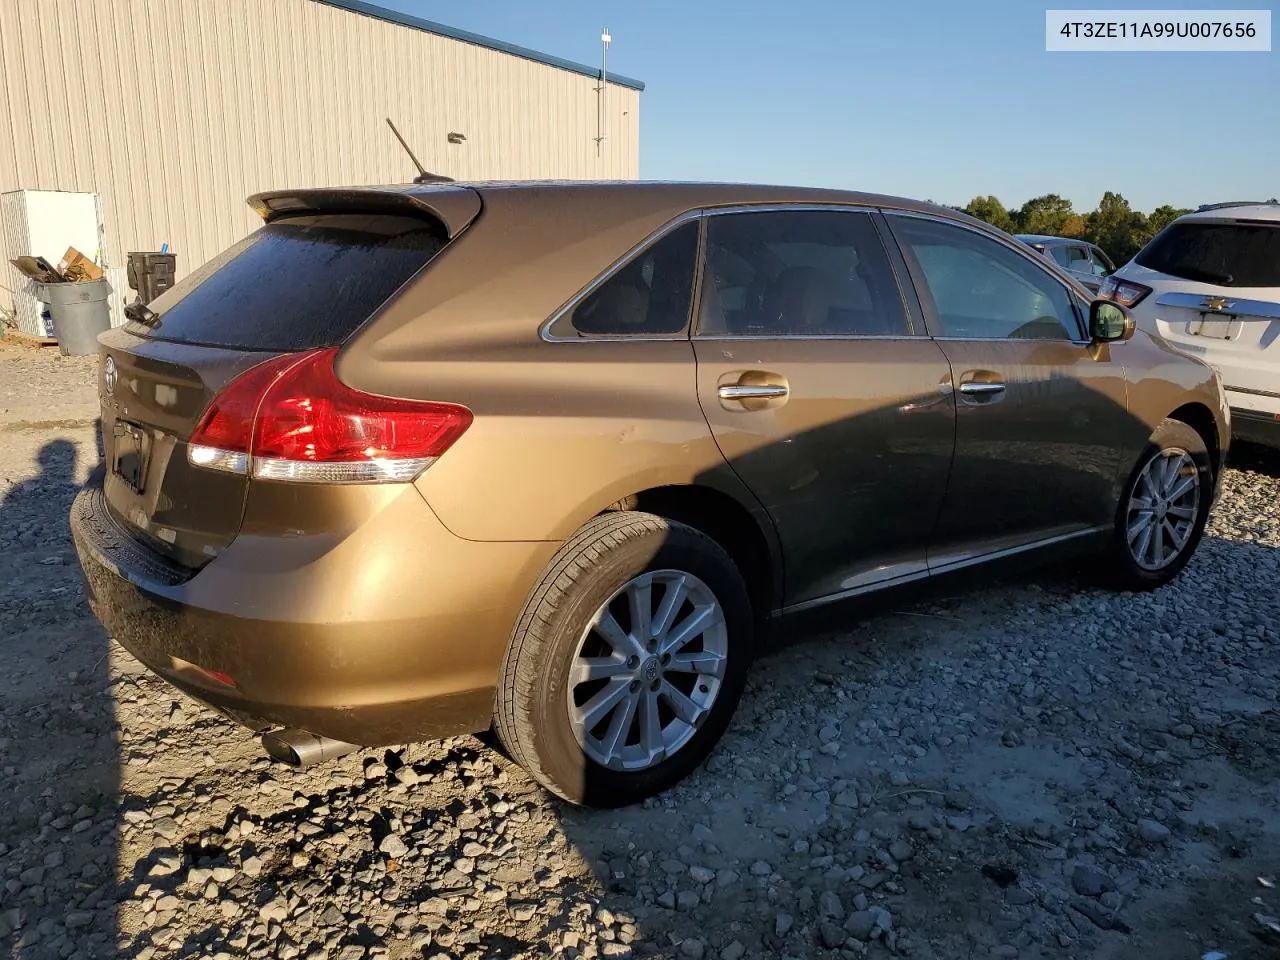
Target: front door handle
[{"x": 752, "y": 391}]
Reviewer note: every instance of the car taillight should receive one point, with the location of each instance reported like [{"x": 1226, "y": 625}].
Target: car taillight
[
  {"x": 291, "y": 418},
  {"x": 1124, "y": 292}
]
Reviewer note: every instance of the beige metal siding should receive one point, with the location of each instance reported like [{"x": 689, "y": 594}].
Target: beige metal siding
[{"x": 176, "y": 110}]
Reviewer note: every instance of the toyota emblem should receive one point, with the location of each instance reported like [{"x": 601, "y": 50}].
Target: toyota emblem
[{"x": 109, "y": 376}]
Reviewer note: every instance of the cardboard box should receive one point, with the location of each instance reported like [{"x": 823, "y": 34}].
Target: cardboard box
[
  {"x": 38, "y": 269},
  {"x": 76, "y": 266}
]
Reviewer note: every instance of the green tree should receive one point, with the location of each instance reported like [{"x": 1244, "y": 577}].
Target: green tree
[
  {"x": 1162, "y": 216},
  {"x": 1117, "y": 228},
  {"x": 1074, "y": 226},
  {"x": 1048, "y": 214},
  {"x": 990, "y": 210}
]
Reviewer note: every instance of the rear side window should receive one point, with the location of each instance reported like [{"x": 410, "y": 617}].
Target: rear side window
[
  {"x": 1078, "y": 259},
  {"x": 798, "y": 273},
  {"x": 296, "y": 283},
  {"x": 649, "y": 296},
  {"x": 1227, "y": 254}
]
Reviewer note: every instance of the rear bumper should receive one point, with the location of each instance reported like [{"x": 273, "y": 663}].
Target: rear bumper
[{"x": 388, "y": 632}]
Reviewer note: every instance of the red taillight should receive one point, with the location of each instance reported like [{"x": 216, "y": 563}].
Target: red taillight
[
  {"x": 223, "y": 437},
  {"x": 1124, "y": 292},
  {"x": 291, "y": 418}
]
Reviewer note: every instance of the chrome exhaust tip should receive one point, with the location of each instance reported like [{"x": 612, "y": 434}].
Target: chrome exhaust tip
[{"x": 300, "y": 749}]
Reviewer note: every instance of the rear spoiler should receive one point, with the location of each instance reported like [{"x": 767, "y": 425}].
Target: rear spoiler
[{"x": 454, "y": 207}]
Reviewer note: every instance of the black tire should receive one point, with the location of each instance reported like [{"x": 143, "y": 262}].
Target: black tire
[
  {"x": 1121, "y": 571},
  {"x": 531, "y": 714}
]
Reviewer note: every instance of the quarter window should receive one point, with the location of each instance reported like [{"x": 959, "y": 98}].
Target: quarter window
[
  {"x": 798, "y": 273},
  {"x": 649, "y": 296},
  {"x": 981, "y": 290}
]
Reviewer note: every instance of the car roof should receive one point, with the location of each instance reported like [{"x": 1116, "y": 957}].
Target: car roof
[
  {"x": 600, "y": 203},
  {"x": 693, "y": 194},
  {"x": 1254, "y": 211}
]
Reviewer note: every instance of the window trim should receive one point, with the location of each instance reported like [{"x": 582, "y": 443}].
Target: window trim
[
  {"x": 915, "y": 328},
  {"x": 545, "y": 332},
  {"x": 928, "y": 307}
]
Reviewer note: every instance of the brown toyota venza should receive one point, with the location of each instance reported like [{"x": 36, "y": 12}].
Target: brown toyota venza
[{"x": 551, "y": 459}]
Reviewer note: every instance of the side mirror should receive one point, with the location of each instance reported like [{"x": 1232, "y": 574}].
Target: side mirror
[{"x": 1109, "y": 322}]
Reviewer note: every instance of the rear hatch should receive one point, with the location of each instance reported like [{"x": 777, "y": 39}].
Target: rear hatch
[
  {"x": 1216, "y": 294},
  {"x": 321, "y": 266}
]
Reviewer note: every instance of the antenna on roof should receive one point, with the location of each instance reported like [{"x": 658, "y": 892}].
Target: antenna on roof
[
  {"x": 606, "y": 38},
  {"x": 423, "y": 176}
]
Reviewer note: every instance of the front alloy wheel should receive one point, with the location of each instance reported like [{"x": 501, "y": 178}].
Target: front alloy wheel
[{"x": 1163, "y": 508}]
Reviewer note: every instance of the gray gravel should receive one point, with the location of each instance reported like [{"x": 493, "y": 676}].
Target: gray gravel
[{"x": 1039, "y": 770}]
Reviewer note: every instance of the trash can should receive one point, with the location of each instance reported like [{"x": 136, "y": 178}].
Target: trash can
[
  {"x": 79, "y": 312},
  {"x": 151, "y": 274}
]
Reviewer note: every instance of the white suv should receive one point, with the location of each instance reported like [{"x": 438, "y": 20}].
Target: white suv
[{"x": 1209, "y": 283}]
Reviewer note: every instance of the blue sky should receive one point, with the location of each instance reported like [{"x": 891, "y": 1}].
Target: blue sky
[{"x": 937, "y": 99}]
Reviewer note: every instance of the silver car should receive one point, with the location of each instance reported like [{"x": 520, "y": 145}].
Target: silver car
[{"x": 1084, "y": 261}]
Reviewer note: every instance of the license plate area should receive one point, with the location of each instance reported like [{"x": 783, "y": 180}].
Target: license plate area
[
  {"x": 131, "y": 450},
  {"x": 1215, "y": 326}
]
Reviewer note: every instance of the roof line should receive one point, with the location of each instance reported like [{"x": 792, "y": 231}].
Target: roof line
[{"x": 430, "y": 26}]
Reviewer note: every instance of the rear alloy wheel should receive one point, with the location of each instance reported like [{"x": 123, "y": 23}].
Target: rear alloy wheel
[
  {"x": 636, "y": 695},
  {"x": 628, "y": 661},
  {"x": 1162, "y": 513}
]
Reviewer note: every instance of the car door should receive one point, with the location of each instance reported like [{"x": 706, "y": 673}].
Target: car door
[
  {"x": 823, "y": 393},
  {"x": 1040, "y": 415}
]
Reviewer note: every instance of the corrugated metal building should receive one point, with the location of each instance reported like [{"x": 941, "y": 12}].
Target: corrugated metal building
[{"x": 175, "y": 110}]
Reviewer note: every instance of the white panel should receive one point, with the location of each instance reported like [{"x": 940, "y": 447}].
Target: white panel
[
  {"x": 44, "y": 224},
  {"x": 118, "y": 280}
]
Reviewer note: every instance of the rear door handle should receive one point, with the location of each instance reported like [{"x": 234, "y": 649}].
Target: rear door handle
[
  {"x": 980, "y": 389},
  {"x": 752, "y": 391},
  {"x": 747, "y": 391}
]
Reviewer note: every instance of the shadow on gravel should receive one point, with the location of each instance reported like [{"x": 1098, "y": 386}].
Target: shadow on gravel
[
  {"x": 729, "y": 865},
  {"x": 60, "y": 780},
  {"x": 1255, "y": 458}
]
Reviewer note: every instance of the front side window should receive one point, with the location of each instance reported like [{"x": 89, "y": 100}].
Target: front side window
[
  {"x": 982, "y": 290},
  {"x": 1060, "y": 255},
  {"x": 780, "y": 273},
  {"x": 1099, "y": 263},
  {"x": 649, "y": 296}
]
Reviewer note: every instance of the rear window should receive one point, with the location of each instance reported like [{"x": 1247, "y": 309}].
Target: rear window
[
  {"x": 295, "y": 284},
  {"x": 1228, "y": 254}
]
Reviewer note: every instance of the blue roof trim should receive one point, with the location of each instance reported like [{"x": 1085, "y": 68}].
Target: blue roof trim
[{"x": 430, "y": 26}]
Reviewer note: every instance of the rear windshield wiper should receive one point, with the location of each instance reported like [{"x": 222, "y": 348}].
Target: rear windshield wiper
[
  {"x": 1206, "y": 276},
  {"x": 141, "y": 313}
]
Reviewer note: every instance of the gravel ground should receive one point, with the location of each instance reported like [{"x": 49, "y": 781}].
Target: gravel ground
[{"x": 1037, "y": 770}]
